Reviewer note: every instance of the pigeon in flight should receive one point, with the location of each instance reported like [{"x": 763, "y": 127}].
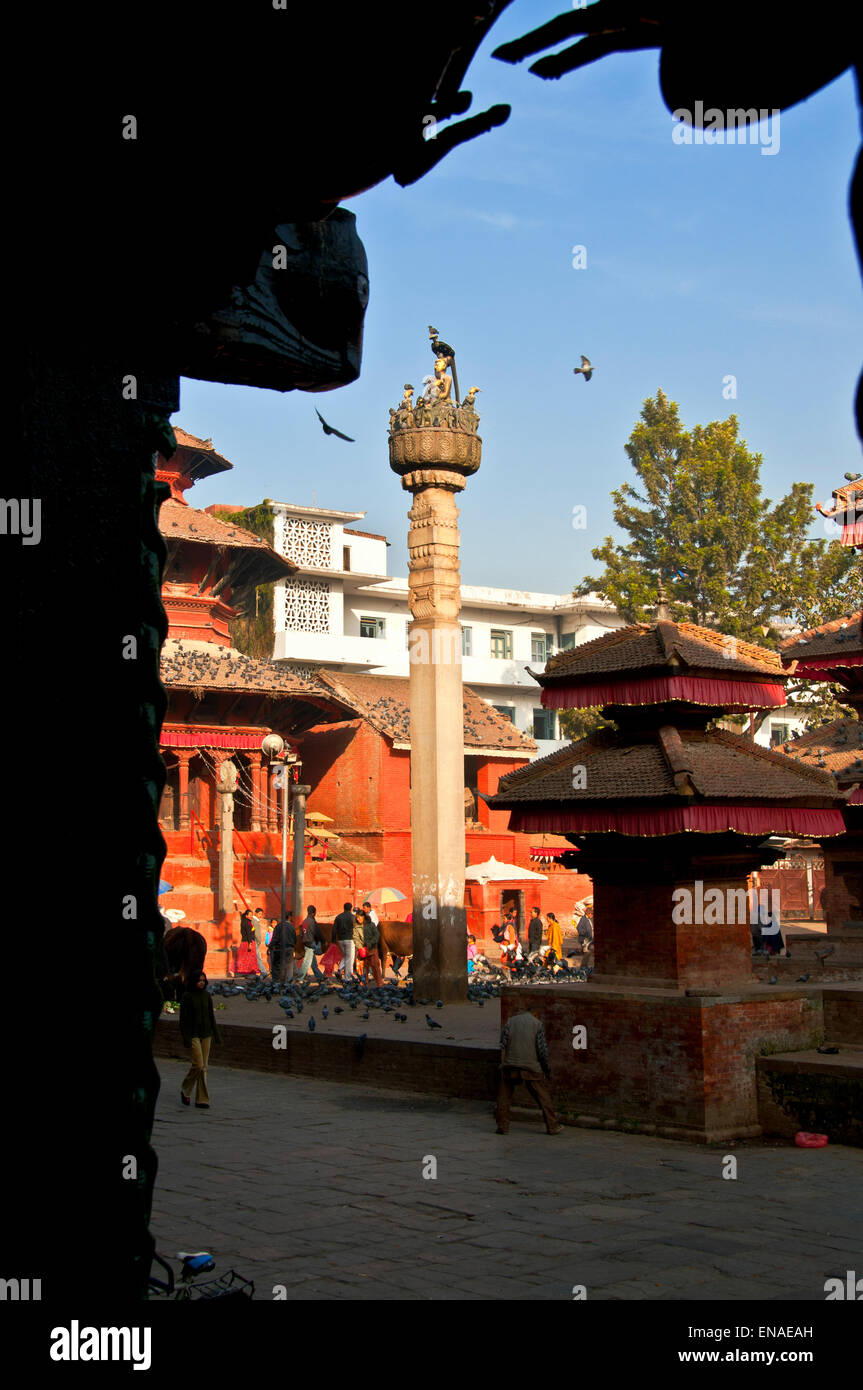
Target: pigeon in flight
[
  {"x": 328, "y": 429},
  {"x": 586, "y": 368}
]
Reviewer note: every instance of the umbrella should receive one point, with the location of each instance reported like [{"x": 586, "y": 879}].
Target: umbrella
[
  {"x": 318, "y": 816},
  {"x": 384, "y": 895},
  {"x": 164, "y": 887}
]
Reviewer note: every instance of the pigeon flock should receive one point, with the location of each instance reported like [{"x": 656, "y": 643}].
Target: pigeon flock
[{"x": 392, "y": 997}]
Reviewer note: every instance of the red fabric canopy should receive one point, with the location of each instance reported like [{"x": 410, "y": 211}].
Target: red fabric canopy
[
  {"x": 672, "y": 820},
  {"x": 853, "y": 534},
  {"x": 654, "y": 690},
  {"x": 210, "y": 738},
  {"x": 826, "y": 663}
]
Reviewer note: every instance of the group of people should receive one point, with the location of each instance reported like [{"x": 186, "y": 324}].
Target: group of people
[
  {"x": 354, "y": 949},
  {"x": 549, "y": 932}
]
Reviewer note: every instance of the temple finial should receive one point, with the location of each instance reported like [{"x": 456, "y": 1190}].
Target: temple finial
[{"x": 662, "y": 613}]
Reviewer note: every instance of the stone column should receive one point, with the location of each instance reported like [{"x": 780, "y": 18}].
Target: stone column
[
  {"x": 272, "y": 807},
  {"x": 442, "y": 440},
  {"x": 255, "y": 760},
  {"x": 227, "y": 785},
  {"x": 299, "y": 792},
  {"x": 184, "y": 757}
]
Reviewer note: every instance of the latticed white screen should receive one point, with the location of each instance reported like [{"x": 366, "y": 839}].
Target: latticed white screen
[
  {"x": 309, "y": 543},
  {"x": 307, "y": 605}
]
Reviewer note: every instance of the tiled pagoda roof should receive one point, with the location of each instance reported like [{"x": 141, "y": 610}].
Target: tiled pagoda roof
[
  {"x": 841, "y": 637},
  {"x": 668, "y": 763},
  {"x": 385, "y": 702},
  {"x": 836, "y": 748},
  {"x": 206, "y": 666},
  {"x": 645, "y": 647}
]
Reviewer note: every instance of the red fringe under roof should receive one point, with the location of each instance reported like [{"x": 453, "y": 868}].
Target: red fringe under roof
[
  {"x": 673, "y": 820},
  {"x": 657, "y": 690}
]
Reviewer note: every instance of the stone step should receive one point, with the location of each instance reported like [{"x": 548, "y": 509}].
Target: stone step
[{"x": 813, "y": 1092}]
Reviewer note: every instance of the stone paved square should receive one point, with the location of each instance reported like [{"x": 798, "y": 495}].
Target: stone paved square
[{"x": 318, "y": 1186}]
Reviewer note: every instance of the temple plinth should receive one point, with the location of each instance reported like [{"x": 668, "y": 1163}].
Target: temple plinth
[{"x": 434, "y": 447}]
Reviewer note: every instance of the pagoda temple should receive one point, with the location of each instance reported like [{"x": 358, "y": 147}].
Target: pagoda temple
[
  {"x": 847, "y": 511},
  {"x": 834, "y": 652},
  {"x": 669, "y": 817}
]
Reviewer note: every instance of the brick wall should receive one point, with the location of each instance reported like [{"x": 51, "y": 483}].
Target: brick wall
[
  {"x": 665, "y": 1063},
  {"x": 468, "y": 1072}
]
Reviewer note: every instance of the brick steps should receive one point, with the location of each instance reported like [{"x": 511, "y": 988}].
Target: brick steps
[{"x": 813, "y": 1092}]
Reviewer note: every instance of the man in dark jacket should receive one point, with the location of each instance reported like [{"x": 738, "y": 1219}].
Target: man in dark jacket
[
  {"x": 534, "y": 931},
  {"x": 524, "y": 1058},
  {"x": 281, "y": 949},
  {"x": 343, "y": 933},
  {"x": 312, "y": 937}
]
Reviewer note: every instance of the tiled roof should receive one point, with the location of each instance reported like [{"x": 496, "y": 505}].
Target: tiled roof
[
  {"x": 384, "y": 701},
  {"x": 717, "y": 765},
  {"x": 208, "y": 462},
  {"x": 259, "y": 565},
  {"x": 369, "y": 535},
  {"x": 206, "y": 666},
  {"x": 842, "y": 637},
  {"x": 650, "y": 646},
  {"x": 835, "y": 747}
]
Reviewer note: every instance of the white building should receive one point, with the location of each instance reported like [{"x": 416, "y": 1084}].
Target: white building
[{"x": 343, "y": 610}]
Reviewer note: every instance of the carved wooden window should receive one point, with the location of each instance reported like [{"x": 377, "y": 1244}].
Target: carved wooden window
[{"x": 307, "y": 605}]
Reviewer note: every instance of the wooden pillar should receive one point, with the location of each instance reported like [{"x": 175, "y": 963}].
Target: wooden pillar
[
  {"x": 184, "y": 757},
  {"x": 258, "y": 811}
]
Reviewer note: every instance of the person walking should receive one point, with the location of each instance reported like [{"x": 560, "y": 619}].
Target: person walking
[
  {"x": 258, "y": 930},
  {"x": 198, "y": 1029},
  {"x": 281, "y": 949},
  {"x": 555, "y": 936},
  {"x": 371, "y": 913},
  {"x": 371, "y": 940},
  {"x": 524, "y": 1057},
  {"x": 343, "y": 933},
  {"x": 534, "y": 931},
  {"x": 313, "y": 941},
  {"x": 584, "y": 927}
]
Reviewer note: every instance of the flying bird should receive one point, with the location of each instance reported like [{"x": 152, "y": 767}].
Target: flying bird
[
  {"x": 328, "y": 429},
  {"x": 586, "y": 368}
]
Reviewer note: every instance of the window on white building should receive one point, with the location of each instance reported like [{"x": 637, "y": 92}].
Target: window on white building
[
  {"x": 501, "y": 644},
  {"x": 779, "y": 733},
  {"x": 567, "y": 641},
  {"x": 543, "y": 723},
  {"x": 467, "y": 641},
  {"x": 372, "y": 627},
  {"x": 346, "y": 558},
  {"x": 539, "y": 645},
  {"x": 508, "y": 711}
]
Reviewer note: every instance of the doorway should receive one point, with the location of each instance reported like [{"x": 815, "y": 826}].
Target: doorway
[{"x": 512, "y": 900}]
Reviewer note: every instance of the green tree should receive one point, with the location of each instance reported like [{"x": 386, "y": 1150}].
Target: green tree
[{"x": 729, "y": 558}]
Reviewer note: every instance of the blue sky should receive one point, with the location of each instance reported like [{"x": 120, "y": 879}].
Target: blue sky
[{"x": 701, "y": 262}]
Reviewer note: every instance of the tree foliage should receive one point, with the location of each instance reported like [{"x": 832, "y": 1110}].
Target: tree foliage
[{"x": 729, "y": 558}]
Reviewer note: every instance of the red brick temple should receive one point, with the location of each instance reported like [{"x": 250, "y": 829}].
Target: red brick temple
[
  {"x": 834, "y": 652},
  {"x": 350, "y": 730},
  {"x": 669, "y": 818}
]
